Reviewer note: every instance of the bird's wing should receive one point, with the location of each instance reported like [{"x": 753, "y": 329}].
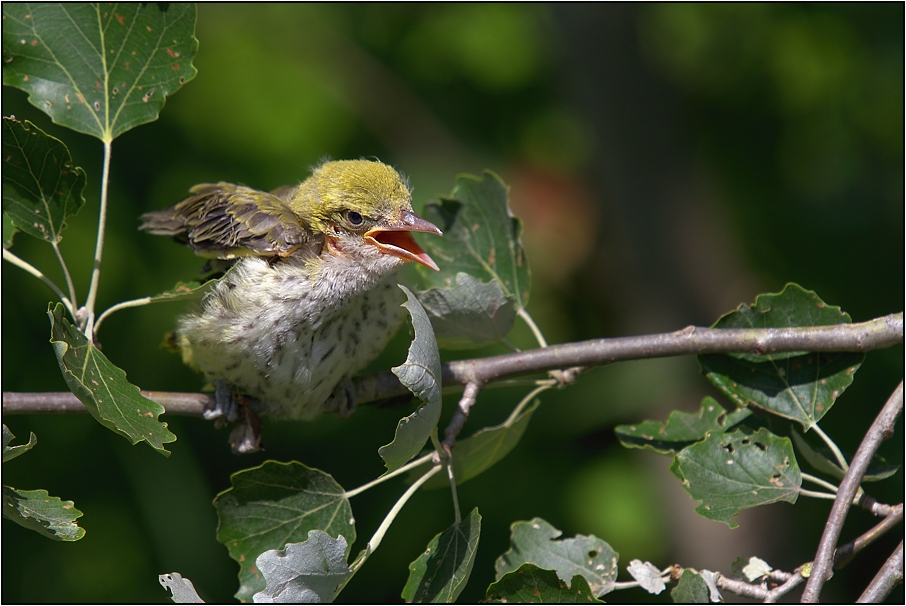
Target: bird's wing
[{"x": 225, "y": 221}]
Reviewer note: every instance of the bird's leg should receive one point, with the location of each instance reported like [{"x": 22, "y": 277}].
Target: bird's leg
[
  {"x": 342, "y": 400},
  {"x": 226, "y": 405}
]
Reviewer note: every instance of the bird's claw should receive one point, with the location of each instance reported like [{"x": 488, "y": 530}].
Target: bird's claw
[
  {"x": 245, "y": 438},
  {"x": 226, "y": 405},
  {"x": 342, "y": 400}
]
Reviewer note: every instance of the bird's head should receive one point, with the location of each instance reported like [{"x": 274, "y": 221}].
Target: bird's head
[{"x": 362, "y": 201}]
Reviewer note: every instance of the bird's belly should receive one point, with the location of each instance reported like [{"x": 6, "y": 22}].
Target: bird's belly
[{"x": 286, "y": 352}]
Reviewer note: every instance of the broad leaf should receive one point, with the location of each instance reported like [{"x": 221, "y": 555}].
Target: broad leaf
[
  {"x": 181, "y": 588},
  {"x": 102, "y": 387},
  {"x": 41, "y": 187},
  {"x": 482, "y": 238},
  {"x": 442, "y": 571},
  {"x": 420, "y": 373},
  {"x": 313, "y": 571},
  {"x": 100, "y": 69},
  {"x": 738, "y": 470},
  {"x": 799, "y": 386},
  {"x": 691, "y": 589},
  {"x": 470, "y": 314},
  {"x": 11, "y": 452},
  {"x": 534, "y": 542},
  {"x": 752, "y": 568},
  {"x": 274, "y": 504},
  {"x": 480, "y": 451},
  {"x": 648, "y": 575},
  {"x": 38, "y": 511},
  {"x": 533, "y": 585},
  {"x": 9, "y": 231},
  {"x": 681, "y": 428}
]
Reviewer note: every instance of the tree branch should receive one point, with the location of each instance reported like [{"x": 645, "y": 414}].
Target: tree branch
[
  {"x": 864, "y": 336},
  {"x": 880, "y": 430}
]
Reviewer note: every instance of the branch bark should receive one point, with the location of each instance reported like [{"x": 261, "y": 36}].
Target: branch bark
[
  {"x": 864, "y": 336},
  {"x": 880, "y": 430}
]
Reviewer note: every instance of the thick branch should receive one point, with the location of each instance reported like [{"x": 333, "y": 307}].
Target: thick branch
[
  {"x": 880, "y": 430},
  {"x": 865, "y": 336}
]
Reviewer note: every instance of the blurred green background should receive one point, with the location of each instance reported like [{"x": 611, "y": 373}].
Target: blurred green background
[{"x": 669, "y": 162}]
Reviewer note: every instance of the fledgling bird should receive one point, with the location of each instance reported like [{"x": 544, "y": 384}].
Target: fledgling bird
[{"x": 311, "y": 297}]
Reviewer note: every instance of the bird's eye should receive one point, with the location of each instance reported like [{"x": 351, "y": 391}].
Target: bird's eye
[{"x": 354, "y": 218}]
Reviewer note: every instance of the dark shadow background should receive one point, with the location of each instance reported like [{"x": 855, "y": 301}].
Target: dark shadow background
[{"x": 669, "y": 161}]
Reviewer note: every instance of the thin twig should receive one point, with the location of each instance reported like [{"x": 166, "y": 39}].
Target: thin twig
[
  {"x": 789, "y": 585},
  {"x": 880, "y": 430},
  {"x": 890, "y": 575},
  {"x": 844, "y": 554},
  {"x": 469, "y": 396}
]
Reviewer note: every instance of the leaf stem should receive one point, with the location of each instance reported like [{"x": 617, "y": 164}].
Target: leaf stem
[
  {"x": 378, "y": 536},
  {"x": 841, "y": 460},
  {"x": 22, "y": 264},
  {"x": 124, "y": 305},
  {"x": 817, "y": 495},
  {"x": 88, "y": 327},
  {"x": 815, "y": 480},
  {"x": 66, "y": 274},
  {"x": 531, "y": 324},
  {"x": 410, "y": 465},
  {"x": 452, "y": 477}
]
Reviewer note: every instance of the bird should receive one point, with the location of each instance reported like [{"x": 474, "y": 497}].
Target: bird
[{"x": 310, "y": 297}]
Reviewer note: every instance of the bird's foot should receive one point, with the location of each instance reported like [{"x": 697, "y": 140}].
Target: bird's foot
[
  {"x": 245, "y": 438},
  {"x": 342, "y": 400},
  {"x": 226, "y": 405}
]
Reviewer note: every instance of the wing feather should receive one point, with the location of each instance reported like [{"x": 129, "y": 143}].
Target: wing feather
[{"x": 225, "y": 221}]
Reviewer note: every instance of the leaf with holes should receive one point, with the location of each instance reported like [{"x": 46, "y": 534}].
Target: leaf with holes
[
  {"x": 314, "y": 571},
  {"x": 482, "y": 238},
  {"x": 470, "y": 314},
  {"x": 41, "y": 187},
  {"x": 534, "y": 542},
  {"x": 38, "y": 511},
  {"x": 681, "y": 428},
  {"x": 442, "y": 571},
  {"x": 113, "y": 401},
  {"x": 274, "y": 504},
  {"x": 733, "y": 471},
  {"x": 420, "y": 373},
  {"x": 533, "y": 585},
  {"x": 99, "y": 69},
  {"x": 800, "y": 386}
]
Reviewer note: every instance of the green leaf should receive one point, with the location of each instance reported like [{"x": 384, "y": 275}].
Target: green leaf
[
  {"x": 11, "y": 452},
  {"x": 47, "y": 515},
  {"x": 588, "y": 556},
  {"x": 471, "y": 314},
  {"x": 823, "y": 460},
  {"x": 41, "y": 187},
  {"x": 482, "y": 238},
  {"x": 533, "y": 585},
  {"x": 113, "y": 401},
  {"x": 9, "y": 231},
  {"x": 483, "y": 449},
  {"x": 274, "y": 504},
  {"x": 442, "y": 571},
  {"x": 99, "y": 69},
  {"x": 182, "y": 290},
  {"x": 313, "y": 571},
  {"x": 181, "y": 588},
  {"x": 738, "y": 470},
  {"x": 798, "y": 386},
  {"x": 681, "y": 428},
  {"x": 420, "y": 373},
  {"x": 691, "y": 589}
]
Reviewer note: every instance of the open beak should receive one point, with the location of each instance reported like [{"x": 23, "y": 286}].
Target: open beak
[{"x": 395, "y": 238}]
